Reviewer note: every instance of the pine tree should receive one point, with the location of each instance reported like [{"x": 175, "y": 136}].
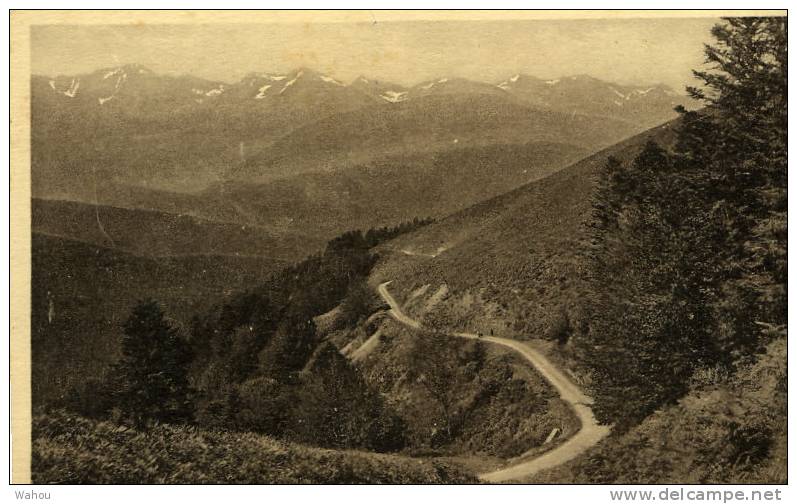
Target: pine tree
[
  {"x": 649, "y": 322},
  {"x": 689, "y": 247},
  {"x": 735, "y": 152},
  {"x": 152, "y": 375}
]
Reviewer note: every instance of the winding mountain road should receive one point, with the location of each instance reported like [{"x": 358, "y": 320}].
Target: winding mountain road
[{"x": 589, "y": 434}]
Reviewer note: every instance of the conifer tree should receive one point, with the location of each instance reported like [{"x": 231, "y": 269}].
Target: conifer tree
[
  {"x": 688, "y": 263},
  {"x": 735, "y": 152},
  {"x": 152, "y": 375}
]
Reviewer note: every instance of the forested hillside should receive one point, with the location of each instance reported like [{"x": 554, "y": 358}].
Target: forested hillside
[
  {"x": 688, "y": 254},
  {"x": 656, "y": 270},
  {"x": 253, "y": 361},
  {"x": 81, "y": 294},
  {"x": 683, "y": 332}
]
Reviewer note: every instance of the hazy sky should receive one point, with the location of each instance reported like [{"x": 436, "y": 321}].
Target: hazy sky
[{"x": 640, "y": 51}]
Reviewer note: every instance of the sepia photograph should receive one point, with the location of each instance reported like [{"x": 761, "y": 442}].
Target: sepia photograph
[{"x": 399, "y": 247}]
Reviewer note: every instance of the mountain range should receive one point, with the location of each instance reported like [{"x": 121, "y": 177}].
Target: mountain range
[
  {"x": 136, "y": 90},
  {"x": 100, "y": 132},
  {"x": 218, "y": 184}
]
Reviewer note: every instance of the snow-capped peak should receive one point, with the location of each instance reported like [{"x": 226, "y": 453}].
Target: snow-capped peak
[
  {"x": 125, "y": 70},
  {"x": 253, "y": 77},
  {"x": 111, "y": 73}
]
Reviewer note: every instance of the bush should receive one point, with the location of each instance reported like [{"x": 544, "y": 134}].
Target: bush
[
  {"x": 560, "y": 329},
  {"x": 732, "y": 430},
  {"x": 359, "y": 303},
  {"x": 92, "y": 398},
  {"x": 263, "y": 405}
]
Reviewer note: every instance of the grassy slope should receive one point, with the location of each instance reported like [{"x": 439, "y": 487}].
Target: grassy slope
[
  {"x": 514, "y": 259},
  {"x": 93, "y": 290},
  {"x": 264, "y": 218},
  {"x": 511, "y": 262},
  {"x": 154, "y": 233},
  {"x": 394, "y": 189},
  {"x": 73, "y": 450},
  {"x": 430, "y": 123}
]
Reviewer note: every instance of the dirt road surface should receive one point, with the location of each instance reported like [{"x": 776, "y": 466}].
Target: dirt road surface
[{"x": 589, "y": 434}]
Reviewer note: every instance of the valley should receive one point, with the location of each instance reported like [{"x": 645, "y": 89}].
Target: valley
[{"x": 293, "y": 278}]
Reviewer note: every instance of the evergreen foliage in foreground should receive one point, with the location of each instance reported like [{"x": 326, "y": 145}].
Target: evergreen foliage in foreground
[
  {"x": 688, "y": 258},
  {"x": 256, "y": 362}
]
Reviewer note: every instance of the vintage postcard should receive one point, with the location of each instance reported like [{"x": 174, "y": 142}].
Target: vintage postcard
[{"x": 399, "y": 247}]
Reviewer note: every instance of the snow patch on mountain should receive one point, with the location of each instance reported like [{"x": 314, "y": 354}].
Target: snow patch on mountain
[
  {"x": 71, "y": 92},
  {"x": 442, "y": 81},
  {"x": 291, "y": 82},
  {"x": 110, "y": 74},
  {"x": 215, "y": 92},
  {"x": 552, "y": 82},
  {"x": 514, "y": 78},
  {"x": 428, "y": 86},
  {"x": 395, "y": 96},
  {"x": 253, "y": 77},
  {"x": 261, "y": 93},
  {"x": 330, "y": 80},
  {"x": 122, "y": 77},
  {"x": 618, "y": 93}
]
